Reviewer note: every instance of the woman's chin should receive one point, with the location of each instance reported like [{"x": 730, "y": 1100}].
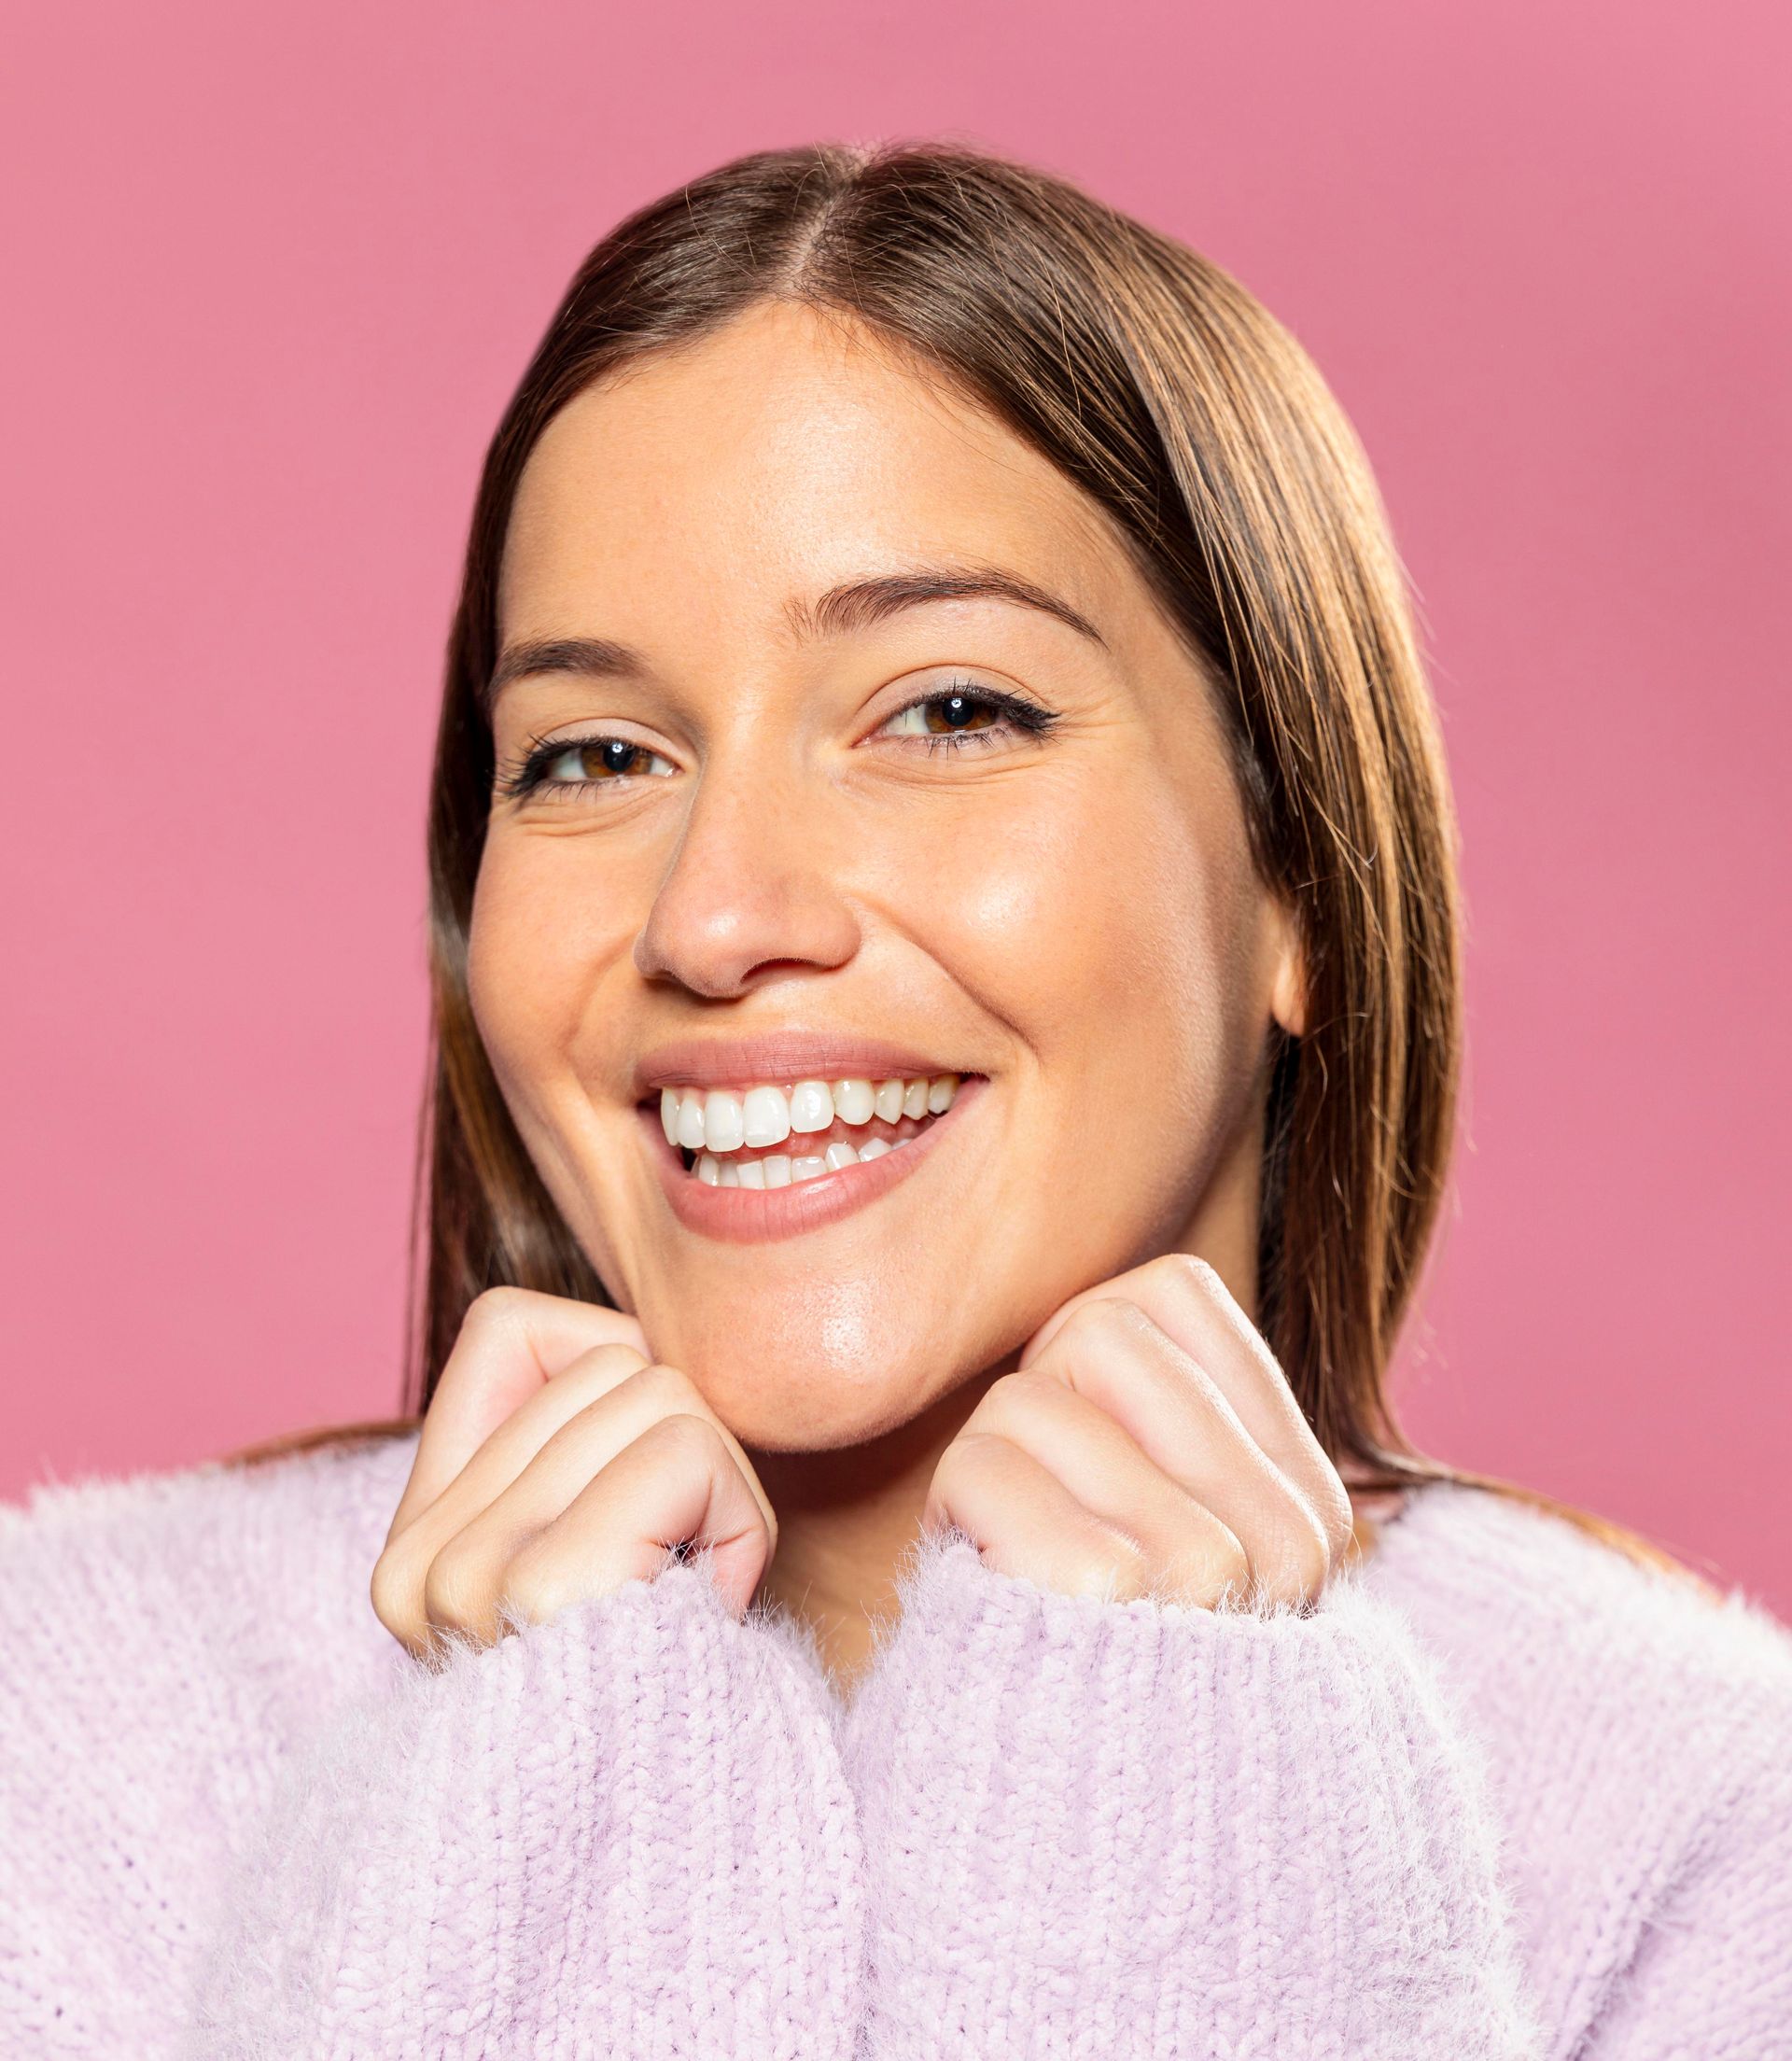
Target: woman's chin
[{"x": 807, "y": 1380}]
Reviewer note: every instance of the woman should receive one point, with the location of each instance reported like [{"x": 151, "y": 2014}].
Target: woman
[{"x": 945, "y": 968}]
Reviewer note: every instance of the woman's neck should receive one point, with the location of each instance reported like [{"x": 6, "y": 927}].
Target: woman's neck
[{"x": 846, "y": 1519}]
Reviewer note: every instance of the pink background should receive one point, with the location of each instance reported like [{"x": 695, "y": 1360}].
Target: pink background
[{"x": 273, "y": 273}]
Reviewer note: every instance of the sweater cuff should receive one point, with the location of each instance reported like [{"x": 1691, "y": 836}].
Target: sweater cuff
[
  {"x": 1107, "y": 1827},
  {"x": 567, "y": 1841}
]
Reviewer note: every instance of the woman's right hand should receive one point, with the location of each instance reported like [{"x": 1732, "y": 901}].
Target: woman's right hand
[{"x": 556, "y": 1463}]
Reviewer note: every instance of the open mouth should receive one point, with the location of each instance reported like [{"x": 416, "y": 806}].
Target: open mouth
[{"x": 781, "y": 1134}]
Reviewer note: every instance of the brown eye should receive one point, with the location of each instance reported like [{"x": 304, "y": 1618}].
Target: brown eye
[
  {"x": 951, "y": 714},
  {"x": 571, "y": 764},
  {"x": 963, "y": 717},
  {"x": 602, "y": 759},
  {"x": 946, "y": 713}
]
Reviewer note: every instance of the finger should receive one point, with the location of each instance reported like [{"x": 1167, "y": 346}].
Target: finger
[
  {"x": 1188, "y": 1543},
  {"x": 1114, "y": 1356},
  {"x": 1187, "y": 1300},
  {"x": 511, "y": 1342},
  {"x": 459, "y": 1579},
  {"x": 403, "y": 1569},
  {"x": 1026, "y": 1522},
  {"x": 678, "y": 1480}
]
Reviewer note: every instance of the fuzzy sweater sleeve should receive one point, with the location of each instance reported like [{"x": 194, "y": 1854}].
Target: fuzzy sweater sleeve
[
  {"x": 623, "y": 1831},
  {"x": 1109, "y": 1830},
  {"x": 619, "y": 1832}
]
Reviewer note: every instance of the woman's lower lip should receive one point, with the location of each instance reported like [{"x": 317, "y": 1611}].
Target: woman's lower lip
[{"x": 751, "y": 1216}]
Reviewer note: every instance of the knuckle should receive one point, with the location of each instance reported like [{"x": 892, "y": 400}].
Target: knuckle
[
  {"x": 975, "y": 1453},
  {"x": 667, "y": 1389},
  {"x": 1232, "y": 1567},
  {"x": 451, "y": 1596},
  {"x": 1027, "y": 1390},
  {"x": 1090, "y": 1323},
  {"x": 1117, "y": 1568},
  {"x": 614, "y": 1357},
  {"x": 392, "y": 1591},
  {"x": 1308, "y": 1552},
  {"x": 604, "y": 1371},
  {"x": 1187, "y": 1270},
  {"x": 1227, "y": 1563},
  {"x": 978, "y": 1467},
  {"x": 495, "y": 1309},
  {"x": 1317, "y": 1562},
  {"x": 684, "y": 1433},
  {"x": 1089, "y": 1319},
  {"x": 536, "y": 1587},
  {"x": 1334, "y": 1513}
]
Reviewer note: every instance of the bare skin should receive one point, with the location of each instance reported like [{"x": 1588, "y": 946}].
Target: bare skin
[{"x": 743, "y": 824}]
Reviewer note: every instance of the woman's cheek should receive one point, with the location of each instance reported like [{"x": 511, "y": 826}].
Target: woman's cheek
[
  {"x": 1118, "y": 945},
  {"x": 536, "y": 946},
  {"x": 504, "y": 967},
  {"x": 540, "y": 945},
  {"x": 1073, "y": 919}
]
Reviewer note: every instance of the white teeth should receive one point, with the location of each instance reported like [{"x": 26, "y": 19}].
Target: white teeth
[
  {"x": 714, "y": 1124},
  {"x": 767, "y": 1116},
  {"x": 811, "y": 1106},
  {"x": 853, "y": 1102},
  {"x": 691, "y": 1121},
  {"x": 721, "y": 1126}
]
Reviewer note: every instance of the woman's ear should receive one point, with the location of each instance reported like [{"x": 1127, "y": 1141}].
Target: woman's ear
[{"x": 1288, "y": 984}]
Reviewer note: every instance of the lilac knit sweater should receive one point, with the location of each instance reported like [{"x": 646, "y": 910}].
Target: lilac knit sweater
[{"x": 1501, "y": 1794}]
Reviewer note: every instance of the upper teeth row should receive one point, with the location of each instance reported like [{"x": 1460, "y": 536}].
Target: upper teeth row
[{"x": 722, "y": 1121}]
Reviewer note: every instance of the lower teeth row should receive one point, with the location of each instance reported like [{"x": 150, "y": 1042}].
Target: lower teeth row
[{"x": 777, "y": 1171}]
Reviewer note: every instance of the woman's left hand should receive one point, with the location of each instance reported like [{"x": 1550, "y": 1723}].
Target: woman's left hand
[{"x": 1148, "y": 1443}]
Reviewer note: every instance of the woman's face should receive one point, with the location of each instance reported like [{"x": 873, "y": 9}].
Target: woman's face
[{"x": 840, "y": 742}]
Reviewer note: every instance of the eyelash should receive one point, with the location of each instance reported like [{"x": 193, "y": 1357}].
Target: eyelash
[{"x": 527, "y": 774}]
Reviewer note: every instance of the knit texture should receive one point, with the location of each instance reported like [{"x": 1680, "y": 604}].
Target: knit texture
[{"x": 1500, "y": 1794}]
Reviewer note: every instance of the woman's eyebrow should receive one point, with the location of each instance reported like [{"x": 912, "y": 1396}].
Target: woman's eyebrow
[
  {"x": 587, "y": 657},
  {"x": 854, "y": 605},
  {"x": 859, "y": 603}
]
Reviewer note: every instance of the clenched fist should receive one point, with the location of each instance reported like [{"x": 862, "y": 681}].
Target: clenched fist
[
  {"x": 555, "y": 1463},
  {"x": 1148, "y": 1443}
]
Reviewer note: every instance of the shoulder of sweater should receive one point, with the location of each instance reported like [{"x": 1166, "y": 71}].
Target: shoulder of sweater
[
  {"x": 1564, "y": 1650},
  {"x": 236, "y": 1567},
  {"x": 310, "y": 1496},
  {"x": 1481, "y": 1570}
]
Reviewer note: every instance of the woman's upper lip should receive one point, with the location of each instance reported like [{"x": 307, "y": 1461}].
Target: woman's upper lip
[{"x": 784, "y": 1056}]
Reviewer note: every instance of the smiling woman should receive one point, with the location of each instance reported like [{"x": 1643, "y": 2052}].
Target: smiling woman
[
  {"x": 831, "y": 797},
  {"x": 946, "y": 971}
]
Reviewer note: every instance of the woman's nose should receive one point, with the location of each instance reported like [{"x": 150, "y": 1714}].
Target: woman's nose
[{"x": 751, "y": 887}]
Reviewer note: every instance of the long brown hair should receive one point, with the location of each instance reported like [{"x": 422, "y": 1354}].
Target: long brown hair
[{"x": 1157, "y": 384}]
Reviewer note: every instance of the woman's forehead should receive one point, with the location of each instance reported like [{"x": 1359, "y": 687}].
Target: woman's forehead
[{"x": 777, "y": 456}]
